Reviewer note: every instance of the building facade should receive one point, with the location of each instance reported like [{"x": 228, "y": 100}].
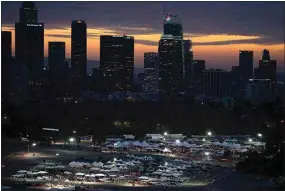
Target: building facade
[
  {"x": 117, "y": 62},
  {"x": 6, "y": 45},
  {"x": 246, "y": 66},
  {"x": 198, "y": 66},
  {"x": 151, "y": 63},
  {"x": 188, "y": 59},
  {"x": 58, "y": 67},
  {"x": 217, "y": 83},
  {"x": 29, "y": 46},
  {"x": 78, "y": 55}
]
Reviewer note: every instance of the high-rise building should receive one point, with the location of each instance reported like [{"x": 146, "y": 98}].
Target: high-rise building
[
  {"x": 29, "y": 46},
  {"x": 236, "y": 80},
  {"x": 267, "y": 68},
  {"x": 265, "y": 55},
  {"x": 259, "y": 90},
  {"x": 78, "y": 55},
  {"x": 58, "y": 68},
  {"x": 172, "y": 25},
  {"x": 246, "y": 66},
  {"x": 14, "y": 83},
  {"x": 117, "y": 62},
  {"x": 171, "y": 61},
  {"x": 28, "y": 13},
  {"x": 217, "y": 83},
  {"x": 188, "y": 59},
  {"x": 198, "y": 66},
  {"x": 151, "y": 63},
  {"x": 6, "y": 45},
  {"x": 171, "y": 56}
]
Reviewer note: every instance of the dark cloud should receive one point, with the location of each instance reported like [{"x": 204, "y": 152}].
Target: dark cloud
[{"x": 235, "y": 18}]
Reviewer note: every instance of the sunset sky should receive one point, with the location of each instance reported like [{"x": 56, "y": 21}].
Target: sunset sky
[{"x": 218, "y": 29}]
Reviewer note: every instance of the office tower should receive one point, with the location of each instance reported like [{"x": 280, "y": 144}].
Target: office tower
[
  {"x": 171, "y": 56},
  {"x": 57, "y": 65},
  {"x": 259, "y": 91},
  {"x": 217, "y": 83},
  {"x": 151, "y": 63},
  {"x": 170, "y": 64},
  {"x": 236, "y": 80},
  {"x": 78, "y": 55},
  {"x": 14, "y": 83},
  {"x": 28, "y": 13},
  {"x": 265, "y": 55},
  {"x": 6, "y": 45},
  {"x": 246, "y": 66},
  {"x": 267, "y": 67},
  {"x": 188, "y": 59},
  {"x": 29, "y": 46},
  {"x": 197, "y": 70},
  {"x": 117, "y": 62},
  {"x": 172, "y": 25}
]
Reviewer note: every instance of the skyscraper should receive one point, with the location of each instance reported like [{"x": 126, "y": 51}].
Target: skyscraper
[
  {"x": 170, "y": 64},
  {"x": 78, "y": 54},
  {"x": 28, "y": 13},
  {"x": 6, "y": 45},
  {"x": 151, "y": 62},
  {"x": 188, "y": 59},
  {"x": 171, "y": 56},
  {"x": 117, "y": 62},
  {"x": 265, "y": 55},
  {"x": 217, "y": 83},
  {"x": 197, "y": 70},
  {"x": 267, "y": 68},
  {"x": 57, "y": 65},
  {"x": 29, "y": 45},
  {"x": 172, "y": 25},
  {"x": 246, "y": 66}
]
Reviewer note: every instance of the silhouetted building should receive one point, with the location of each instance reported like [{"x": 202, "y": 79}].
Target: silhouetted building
[
  {"x": 188, "y": 59},
  {"x": 237, "y": 83},
  {"x": 172, "y": 25},
  {"x": 58, "y": 67},
  {"x": 29, "y": 46},
  {"x": 28, "y": 13},
  {"x": 267, "y": 68},
  {"x": 6, "y": 45},
  {"x": 198, "y": 66},
  {"x": 171, "y": 62},
  {"x": 265, "y": 55},
  {"x": 246, "y": 66},
  {"x": 117, "y": 62},
  {"x": 151, "y": 63},
  {"x": 14, "y": 83},
  {"x": 259, "y": 91},
  {"x": 217, "y": 83},
  {"x": 78, "y": 55}
]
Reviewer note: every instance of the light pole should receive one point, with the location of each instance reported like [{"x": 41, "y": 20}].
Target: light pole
[{"x": 259, "y": 135}]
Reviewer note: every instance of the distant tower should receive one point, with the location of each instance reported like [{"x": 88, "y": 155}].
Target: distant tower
[
  {"x": 265, "y": 55},
  {"x": 78, "y": 55},
  {"x": 29, "y": 46}
]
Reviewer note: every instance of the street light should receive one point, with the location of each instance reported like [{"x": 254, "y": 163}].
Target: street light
[
  {"x": 74, "y": 132},
  {"x": 34, "y": 144},
  {"x": 56, "y": 154},
  {"x": 250, "y": 140},
  {"x": 207, "y": 153},
  {"x": 203, "y": 139},
  {"x": 71, "y": 139},
  {"x": 259, "y": 135},
  {"x": 165, "y": 133},
  {"x": 165, "y": 163},
  {"x": 177, "y": 141},
  {"x": 209, "y": 133}
]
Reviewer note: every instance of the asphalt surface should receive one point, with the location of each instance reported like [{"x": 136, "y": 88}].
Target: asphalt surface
[{"x": 222, "y": 181}]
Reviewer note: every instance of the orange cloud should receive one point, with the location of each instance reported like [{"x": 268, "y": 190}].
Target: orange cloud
[{"x": 226, "y": 54}]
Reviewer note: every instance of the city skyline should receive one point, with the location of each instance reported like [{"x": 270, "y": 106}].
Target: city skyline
[{"x": 207, "y": 30}]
